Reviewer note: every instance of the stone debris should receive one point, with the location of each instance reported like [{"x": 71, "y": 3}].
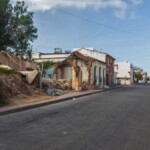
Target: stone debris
[
  {"x": 63, "y": 84},
  {"x": 55, "y": 92},
  {"x": 55, "y": 87}
]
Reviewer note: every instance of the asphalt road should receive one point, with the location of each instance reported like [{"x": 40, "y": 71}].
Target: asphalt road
[{"x": 112, "y": 120}]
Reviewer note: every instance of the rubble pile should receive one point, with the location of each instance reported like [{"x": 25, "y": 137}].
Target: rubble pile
[
  {"x": 15, "y": 86},
  {"x": 63, "y": 84}
]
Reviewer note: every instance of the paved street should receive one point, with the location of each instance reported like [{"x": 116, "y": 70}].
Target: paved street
[{"x": 112, "y": 120}]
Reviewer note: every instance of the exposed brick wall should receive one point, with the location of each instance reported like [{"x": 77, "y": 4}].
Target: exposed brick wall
[{"x": 15, "y": 62}]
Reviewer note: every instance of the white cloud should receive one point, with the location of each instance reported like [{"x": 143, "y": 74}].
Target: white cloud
[
  {"x": 119, "y": 6},
  {"x": 137, "y": 2},
  {"x": 81, "y": 4}
]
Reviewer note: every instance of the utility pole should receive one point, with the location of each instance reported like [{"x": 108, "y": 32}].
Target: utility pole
[{"x": 41, "y": 75}]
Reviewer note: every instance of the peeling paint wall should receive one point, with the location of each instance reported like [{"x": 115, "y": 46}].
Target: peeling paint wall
[
  {"x": 100, "y": 74},
  {"x": 83, "y": 67},
  {"x": 59, "y": 73},
  {"x": 67, "y": 73}
]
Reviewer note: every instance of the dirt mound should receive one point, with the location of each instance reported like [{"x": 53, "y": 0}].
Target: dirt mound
[{"x": 14, "y": 86}]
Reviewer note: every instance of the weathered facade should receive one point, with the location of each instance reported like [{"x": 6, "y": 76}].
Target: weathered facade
[
  {"x": 84, "y": 71},
  {"x": 104, "y": 57},
  {"x": 110, "y": 70}
]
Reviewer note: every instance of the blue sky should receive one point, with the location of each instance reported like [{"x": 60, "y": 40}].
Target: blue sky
[{"x": 118, "y": 27}]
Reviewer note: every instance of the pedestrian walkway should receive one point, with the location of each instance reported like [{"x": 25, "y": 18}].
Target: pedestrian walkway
[{"x": 68, "y": 96}]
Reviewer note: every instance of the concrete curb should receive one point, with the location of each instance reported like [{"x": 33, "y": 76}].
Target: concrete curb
[{"x": 40, "y": 104}]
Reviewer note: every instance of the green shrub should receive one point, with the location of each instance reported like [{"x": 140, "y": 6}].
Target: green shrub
[
  {"x": 3, "y": 99},
  {"x": 7, "y": 71}
]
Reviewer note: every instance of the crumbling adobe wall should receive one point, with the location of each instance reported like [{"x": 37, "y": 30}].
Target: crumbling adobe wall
[{"x": 15, "y": 62}]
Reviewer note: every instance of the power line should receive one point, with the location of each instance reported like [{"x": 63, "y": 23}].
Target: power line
[{"x": 101, "y": 24}]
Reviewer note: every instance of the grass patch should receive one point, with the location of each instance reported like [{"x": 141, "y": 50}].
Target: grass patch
[{"x": 7, "y": 71}]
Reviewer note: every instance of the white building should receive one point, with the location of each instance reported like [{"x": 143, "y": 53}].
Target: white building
[
  {"x": 124, "y": 73},
  {"x": 92, "y": 53},
  {"x": 57, "y": 56}
]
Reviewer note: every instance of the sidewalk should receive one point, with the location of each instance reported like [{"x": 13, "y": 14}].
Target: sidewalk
[{"x": 69, "y": 96}]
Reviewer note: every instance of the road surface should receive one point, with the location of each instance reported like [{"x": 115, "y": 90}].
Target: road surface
[{"x": 112, "y": 120}]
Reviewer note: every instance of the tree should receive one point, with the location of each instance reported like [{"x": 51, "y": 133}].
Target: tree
[
  {"x": 18, "y": 28},
  {"x": 138, "y": 76},
  {"x": 138, "y": 73},
  {"x": 5, "y": 14},
  {"x": 22, "y": 30}
]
